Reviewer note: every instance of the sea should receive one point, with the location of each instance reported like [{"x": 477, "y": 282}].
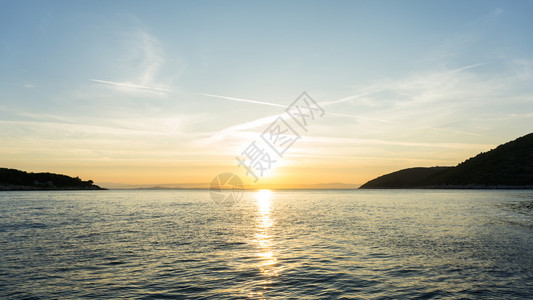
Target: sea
[{"x": 299, "y": 244}]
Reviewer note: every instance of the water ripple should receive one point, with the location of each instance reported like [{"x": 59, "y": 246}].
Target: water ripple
[{"x": 285, "y": 245}]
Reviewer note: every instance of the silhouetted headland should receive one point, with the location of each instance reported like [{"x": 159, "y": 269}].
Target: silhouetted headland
[
  {"x": 509, "y": 166},
  {"x": 16, "y": 180}
]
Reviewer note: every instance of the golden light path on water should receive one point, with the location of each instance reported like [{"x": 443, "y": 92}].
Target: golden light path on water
[{"x": 266, "y": 252}]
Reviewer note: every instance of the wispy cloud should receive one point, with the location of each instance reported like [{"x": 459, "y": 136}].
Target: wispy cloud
[
  {"x": 408, "y": 100},
  {"x": 160, "y": 124},
  {"x": 362, "y": 118},
  {"x": 336, "y": 142},
  {"x": 146, "y": 57},
  {"x": 422, "y": 88},
  {"x": 150, "y": 138},
  {"x": 454, "y": 131},
  {"x": 429, "y": 108},
  {"x": 151, "y": 54},
  {"x": 490, "y": 17}
]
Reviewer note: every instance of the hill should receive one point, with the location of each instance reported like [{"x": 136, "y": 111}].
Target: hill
[
  {"x": 508, "y": 166},
  {"x": 406, "y": 178},
  {"x": 16, "y": 180}
]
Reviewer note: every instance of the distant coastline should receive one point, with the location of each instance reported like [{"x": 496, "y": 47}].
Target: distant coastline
[{"x": 206, "y": 185}]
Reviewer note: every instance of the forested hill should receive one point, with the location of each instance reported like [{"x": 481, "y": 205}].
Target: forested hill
[
  {"x": 13, "y": 180},
  {"x": 508, "y": 166}
]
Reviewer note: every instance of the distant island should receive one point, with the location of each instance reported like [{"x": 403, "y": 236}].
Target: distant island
[
  {"x": 16, "y": 180},
  {"x": 509, "y": 166}
]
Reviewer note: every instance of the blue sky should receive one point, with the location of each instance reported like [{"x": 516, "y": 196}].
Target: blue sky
[{"x": 141, "y": 92}]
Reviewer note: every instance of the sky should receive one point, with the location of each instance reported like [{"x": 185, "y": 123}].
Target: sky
[{"x": 172, "y": 92}]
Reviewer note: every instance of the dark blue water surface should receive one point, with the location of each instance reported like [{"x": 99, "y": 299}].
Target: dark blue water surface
[{"x": 280, "y": 244}]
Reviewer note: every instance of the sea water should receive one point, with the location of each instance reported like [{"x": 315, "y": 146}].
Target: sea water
[{"x": 359, "y": 244}]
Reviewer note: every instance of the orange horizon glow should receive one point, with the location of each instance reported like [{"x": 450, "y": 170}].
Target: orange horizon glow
[{"x": 296, "y": 172}]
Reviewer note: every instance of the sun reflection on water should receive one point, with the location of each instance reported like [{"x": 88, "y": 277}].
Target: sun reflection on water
[
  {"x": 266, "y": 254},
  {"x": 264, "y": 200}
]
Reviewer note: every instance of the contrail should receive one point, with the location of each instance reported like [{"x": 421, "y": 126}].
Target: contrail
[
  {"x": 361, "y": 117},
  {"x": 243, "y": 100},
  {"x": 125, "y": 84},
  {"x": 285, "y": 106},
  {"x": 334, "y": 113}
]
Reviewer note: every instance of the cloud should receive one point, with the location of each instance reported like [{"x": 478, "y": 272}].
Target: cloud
[
  {"x": 446, "y": 114},
  {"x": 161, "y": 124},
  {"x": 146, "y": 49},
  {"x": 490, "y": 17},
  {"x": 145, "y": 59},
  {"x": 424, "y": 100},
  {"x": 415, "y": 89},
  {"x": 121, "y": 138},
  {"x": 338, "y": 142},
  {"x": 418, "y": 88},
  {"x": 454, "y": 131},
  {"x": 362, "y": 118}
]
